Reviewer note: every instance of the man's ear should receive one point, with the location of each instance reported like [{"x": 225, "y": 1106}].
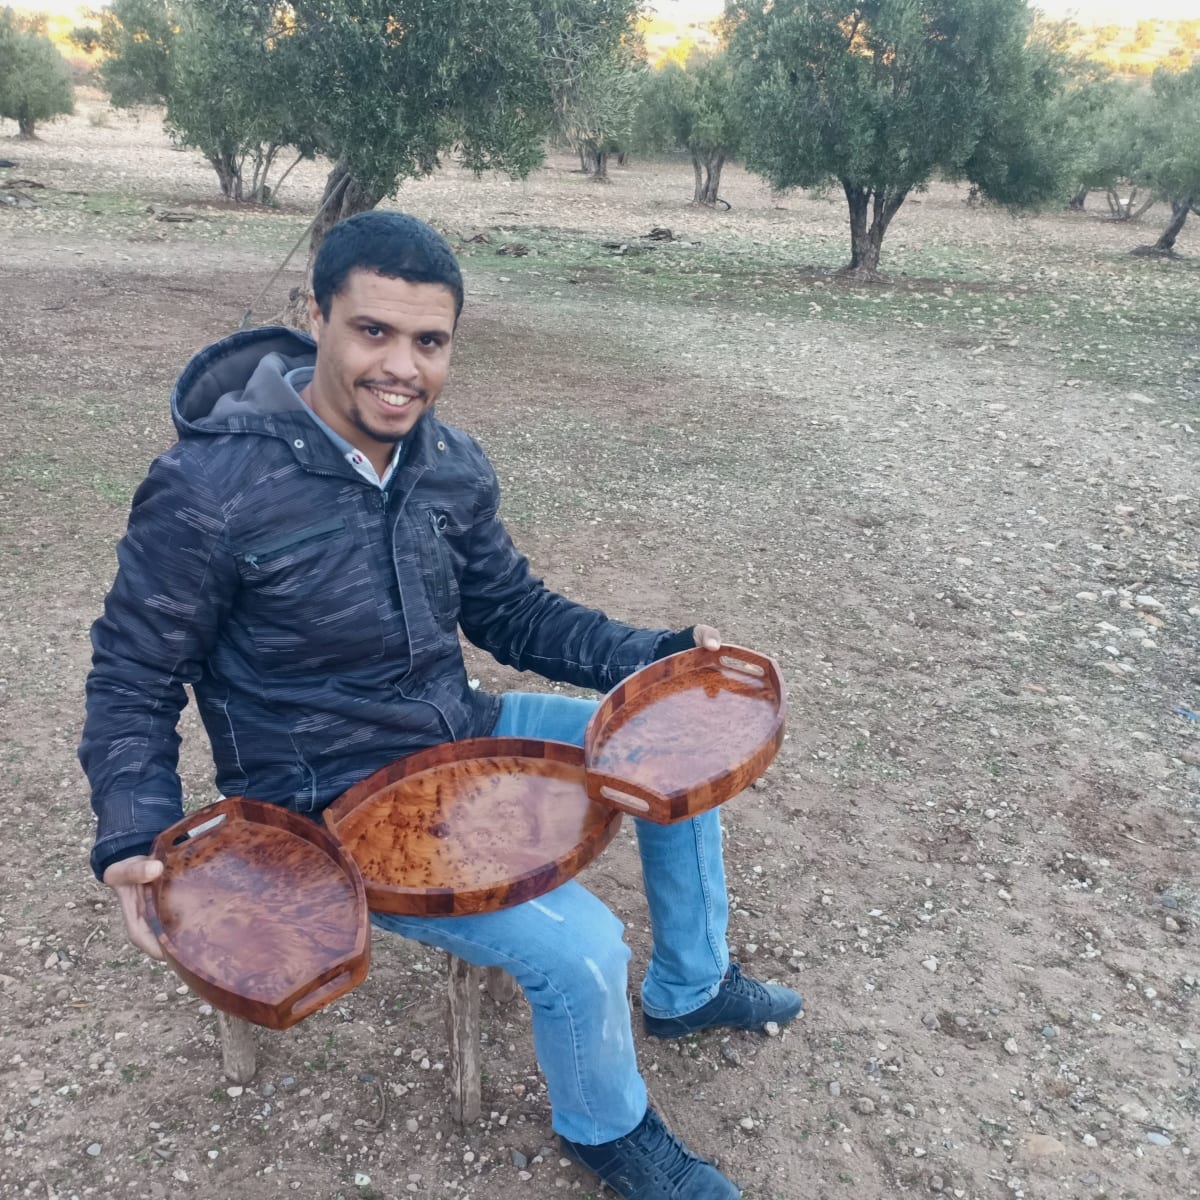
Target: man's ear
[{"x": 314, "y": 317}]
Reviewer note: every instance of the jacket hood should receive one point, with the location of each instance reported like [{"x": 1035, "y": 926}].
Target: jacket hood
[{"x": 237, "y": 384}]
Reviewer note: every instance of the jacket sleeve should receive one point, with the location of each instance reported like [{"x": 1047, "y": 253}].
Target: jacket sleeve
[
  {"x": 515, "y": 618},
  {"x": 175, "y": 581}
]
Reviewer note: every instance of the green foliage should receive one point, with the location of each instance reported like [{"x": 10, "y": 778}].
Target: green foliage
[
  {"x": 35, "y": 81},
  {"x": 881, "y": 95},
  {"x": 134, "y": 37},
  {"x": 230, "y": 92},
  {"x": 593, "y": 67},
  {"x": 1096, "y": 112},
  {"x": 690, "y": 108},
  {"x": 387, "y": 88},
  {"x": 1166, "y": 147}
]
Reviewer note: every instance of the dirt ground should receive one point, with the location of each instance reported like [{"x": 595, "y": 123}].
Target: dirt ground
[{"x": 960, "y": 508}]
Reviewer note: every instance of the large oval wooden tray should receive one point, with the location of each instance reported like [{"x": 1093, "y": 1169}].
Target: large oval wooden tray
[
  {"x": 686, "y": 733},
  {"x": 472, "y": 826},
  {"x": 259, "y": 911}
]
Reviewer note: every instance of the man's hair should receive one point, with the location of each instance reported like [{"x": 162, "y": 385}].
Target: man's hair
[{"x": 388, "y": 243}]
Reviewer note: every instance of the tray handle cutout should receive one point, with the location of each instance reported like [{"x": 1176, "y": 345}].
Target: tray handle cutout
[
  {"x": 308, "y": 1004},
  {"x": 629, "y": 797},
  {"x": 197, "y": 825},
  {"x": 741, "y": 665}
]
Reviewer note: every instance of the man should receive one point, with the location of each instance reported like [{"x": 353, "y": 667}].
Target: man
[{"x": 304, "y": 556}]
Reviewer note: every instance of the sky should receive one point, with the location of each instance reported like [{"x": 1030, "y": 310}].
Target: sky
[{"x": 1090, "y": 12}]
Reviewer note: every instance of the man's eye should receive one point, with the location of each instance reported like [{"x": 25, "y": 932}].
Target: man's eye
[{"x": 372, "y": 330}]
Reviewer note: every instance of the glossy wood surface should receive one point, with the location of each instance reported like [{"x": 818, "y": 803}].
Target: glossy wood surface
[
  {"x": 263, "y": 914},
  {"x": 472, "y": 826},
  {"x": 686, "y": 733}
]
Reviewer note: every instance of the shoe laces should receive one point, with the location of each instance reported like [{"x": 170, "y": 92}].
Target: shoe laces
[
  {"x": 737, "y": 984},
  {"x": 668, "y": 1154}
]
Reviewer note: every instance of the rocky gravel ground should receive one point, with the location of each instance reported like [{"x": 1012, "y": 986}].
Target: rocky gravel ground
[{"x": 959, "y": 507}]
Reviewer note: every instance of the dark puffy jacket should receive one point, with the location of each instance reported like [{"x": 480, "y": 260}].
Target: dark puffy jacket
[{"x": 315, "y": 616}]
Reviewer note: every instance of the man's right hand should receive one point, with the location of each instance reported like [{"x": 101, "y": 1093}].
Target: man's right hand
[{"x": 128, "y": 879}]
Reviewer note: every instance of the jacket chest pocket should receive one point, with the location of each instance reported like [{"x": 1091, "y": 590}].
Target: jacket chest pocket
[
  {"x": 440, "y": 566},
  {"x": 308, "y": 601}
]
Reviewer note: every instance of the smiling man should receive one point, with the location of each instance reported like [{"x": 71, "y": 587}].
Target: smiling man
[{"x": 305, "y": 557}]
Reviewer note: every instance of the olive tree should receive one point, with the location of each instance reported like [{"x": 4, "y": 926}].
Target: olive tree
[
  {"x": 593, "y": 63},
  {"x": 1168, "y": 150},
  {"x": 880, "y": 96},
  {"x": 691, "y": 108},
  {"x": 35, "y": 81}
]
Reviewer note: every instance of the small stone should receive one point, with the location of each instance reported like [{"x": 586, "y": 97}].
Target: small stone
[
  {"x": 234, "y": 1092},
  {"x": 1089, "y": 1141},
  {"x": 835, "y": 1089},
  {"x": 1011, "y": 1047},
  {"x": 1089, "y": 596},
  {"x": 1171, "y": 925},
  {"x": 411, "y": 1124},
  {"x": 936, "y": 1183},
  {"x": 864, "y": 1105},
  {"x": 361, "y": 1179},
  {"x": 930, "y": 964},
  {"x": 771, "y": 1029},
  {"x": 747, "y": 1122},
  {"x": 1169, "y": 901},
  {"x": 918, "y": 1152},
  {"x": 1157, "y": 1139},
  {"x": 930, "y": 1021},
  {"x": 1148, "y": 603},
  {"x": 519, "y": 1160},
  {"x": 1049, "y": 1032},
  {"x": 1042, "y": 1145},
  {"x": 94, "y": 1149},
  {"x": 180, "y": 1175}
]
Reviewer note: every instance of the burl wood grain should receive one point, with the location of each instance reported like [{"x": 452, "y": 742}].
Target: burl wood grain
[
  {"x": 263, "y": 915},
  {"x": 686, "y": 733},
  {"x": 472, "y": 826}
]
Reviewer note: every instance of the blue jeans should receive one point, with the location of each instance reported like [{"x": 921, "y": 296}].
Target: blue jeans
[{"x": 567, "y": 953}]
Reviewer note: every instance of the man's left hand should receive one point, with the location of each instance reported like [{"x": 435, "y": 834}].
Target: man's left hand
[{"x": 706, "y": 637}]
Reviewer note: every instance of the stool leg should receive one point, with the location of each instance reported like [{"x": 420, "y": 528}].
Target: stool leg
[
  {"x": 464, "y": 1032},
  {"x": 501, "y": 986},
  {"x": 239, "y": 1051}
]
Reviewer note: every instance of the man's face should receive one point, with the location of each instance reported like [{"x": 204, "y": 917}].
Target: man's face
[{"x": 382, "y": 358}]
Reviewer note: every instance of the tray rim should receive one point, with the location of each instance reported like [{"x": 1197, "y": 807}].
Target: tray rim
[
  {"x": 440, "y": 901},
  {"x": 676, "y": 804},
  {"x": 281, "y": 1014}
]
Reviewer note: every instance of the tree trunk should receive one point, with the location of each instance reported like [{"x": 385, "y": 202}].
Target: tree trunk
[
  {"x": 1179, "y": 214},
  {"x": 600, "y": 167},
  {"x": 229, "y": 174},
  {"x": 707, "y": 170},
  {"x": 344, "y": 196},
  {"x": 1079, "y": 199},
  {"x": 865, "y": 241},
  {"x": 25, "y": 130}
]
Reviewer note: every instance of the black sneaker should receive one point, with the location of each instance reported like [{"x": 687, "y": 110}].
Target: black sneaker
[
  {"x": 742, "y": 1003},
  {"x": 651, "y": 1163}
]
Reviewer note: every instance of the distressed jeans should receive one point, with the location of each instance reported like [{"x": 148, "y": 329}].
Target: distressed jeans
[{"x": 566, "y": 951}]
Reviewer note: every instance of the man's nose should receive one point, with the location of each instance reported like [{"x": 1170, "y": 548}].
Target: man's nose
[{"x": 401, "y": 362}]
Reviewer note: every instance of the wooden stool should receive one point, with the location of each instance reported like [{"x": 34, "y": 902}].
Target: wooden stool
[{"x": 239, "y": 1050}]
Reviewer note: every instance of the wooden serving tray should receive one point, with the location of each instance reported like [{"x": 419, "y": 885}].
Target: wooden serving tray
[
  {"x": 472, "y": 826},
  {"x": 259, "y": 911},
  {"x": 686, "y": 733}
]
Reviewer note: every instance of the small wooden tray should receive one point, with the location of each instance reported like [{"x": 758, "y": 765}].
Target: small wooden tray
[
  {"x": 686, "y": 733},
  {"x": 472, "y": 826},
  {"x": 259, "y": 911}
]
